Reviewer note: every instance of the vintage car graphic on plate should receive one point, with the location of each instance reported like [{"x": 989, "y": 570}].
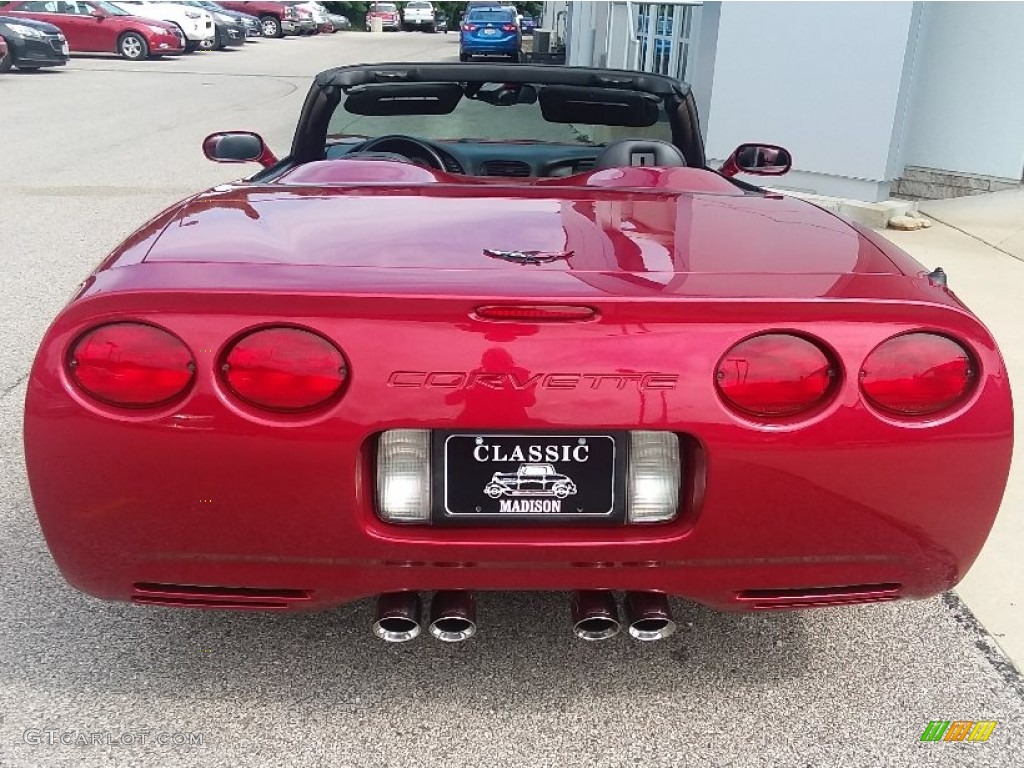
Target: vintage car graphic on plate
[
  {"x": 531, "y": 480},
  {"x": 527, "y": 475}
]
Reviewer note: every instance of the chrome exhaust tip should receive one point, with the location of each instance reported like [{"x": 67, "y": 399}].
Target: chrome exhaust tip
[
  {"x": 595, "y": 615},
  {"x": 649, "y": 616},
  {"x": 398, "y": 617},
  {"x": 453, "y": 616}
]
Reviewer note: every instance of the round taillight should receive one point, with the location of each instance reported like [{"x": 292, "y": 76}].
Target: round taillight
[
  {"x": 917, "y": 374},
  {"x": 775, "y": 375},
  {"x": 284, "y": 369},
  {"x": 132, "y": 365}
]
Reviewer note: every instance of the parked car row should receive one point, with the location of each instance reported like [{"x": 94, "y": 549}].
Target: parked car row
[
  {"x": 43, "y": 33},
  {"x": 415, "y": 15}
]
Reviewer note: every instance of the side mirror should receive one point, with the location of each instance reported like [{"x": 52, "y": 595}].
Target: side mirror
[
  {"x": 238, "y": 147},
  {"x": 758, "y": 159}
]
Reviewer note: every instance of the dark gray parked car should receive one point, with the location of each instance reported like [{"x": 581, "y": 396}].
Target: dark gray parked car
[{"x": 32, "y": 44}]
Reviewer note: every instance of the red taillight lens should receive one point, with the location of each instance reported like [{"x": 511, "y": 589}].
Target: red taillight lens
[
  {"x": 775, "y": 375},
  {"x": 508, "y": 27},
  {"x": 284, "y": 369},
  {"x": 469, "y": 27},
  {"x": 132, "y": 365},
  {"x": 917, "y": 374}
]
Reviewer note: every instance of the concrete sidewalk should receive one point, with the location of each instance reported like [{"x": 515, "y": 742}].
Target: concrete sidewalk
[
  {"x": 981, "y": 247},
  {"x": 996, "y": 219}
]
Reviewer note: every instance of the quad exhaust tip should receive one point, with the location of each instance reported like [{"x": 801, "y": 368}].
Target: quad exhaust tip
[
  {"x": 649, "y": 616},
  {"x": 595, "y": 615},
  {"x": 453, "y": 616},
  {"x": 398, "y": 617}
]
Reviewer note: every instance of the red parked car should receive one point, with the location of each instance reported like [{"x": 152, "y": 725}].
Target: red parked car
[
  {"x": 5, "y": 57},
  {"x": 94, "y": 26},
  {"x": 277, "y": 19},
  {"x": 576, "y": 358},
  {"x": 388, "y": 15}
]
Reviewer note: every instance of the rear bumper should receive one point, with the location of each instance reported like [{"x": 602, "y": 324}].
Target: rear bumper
[
  {"x": 209, "y": 493},
  {"x": 489, "y": 49}
]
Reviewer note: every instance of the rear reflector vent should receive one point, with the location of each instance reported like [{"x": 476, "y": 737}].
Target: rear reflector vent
[
  {"x": 505, "y": 168},
  {"x": 242, "y": 598},
  {"x": 817, "y": 597}
]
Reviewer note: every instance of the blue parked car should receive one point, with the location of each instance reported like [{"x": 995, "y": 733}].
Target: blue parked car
[{"x": 490, "y": 32}]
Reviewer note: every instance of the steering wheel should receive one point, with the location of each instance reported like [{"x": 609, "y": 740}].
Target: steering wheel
[{"x": 393, "y": 144}]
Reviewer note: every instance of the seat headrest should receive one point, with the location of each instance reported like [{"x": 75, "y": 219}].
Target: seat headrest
[{"x": 640, "y": 152}]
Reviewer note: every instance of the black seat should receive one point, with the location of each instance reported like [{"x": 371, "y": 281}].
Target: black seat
[{"x": 640, "y": 152}]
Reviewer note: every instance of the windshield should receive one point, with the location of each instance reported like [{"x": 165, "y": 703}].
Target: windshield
[
  {"x": 489, "y": 16},
  {"x": 382, "y": 8},
  {"x": 110, "y": 8},
  {"x": 478, "y": 117}
]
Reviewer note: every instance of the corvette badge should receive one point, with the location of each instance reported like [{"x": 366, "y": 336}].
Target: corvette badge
[{"x": 528, "y": 257}]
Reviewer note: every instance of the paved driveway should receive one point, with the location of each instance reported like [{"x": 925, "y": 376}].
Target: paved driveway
[{"x": 88, "y": 154}]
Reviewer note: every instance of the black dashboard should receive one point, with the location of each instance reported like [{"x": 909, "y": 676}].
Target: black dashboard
[{"x": 475, "y": 158}]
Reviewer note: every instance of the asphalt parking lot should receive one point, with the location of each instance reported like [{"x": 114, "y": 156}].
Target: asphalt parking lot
[{"x": 89, "y": 153}]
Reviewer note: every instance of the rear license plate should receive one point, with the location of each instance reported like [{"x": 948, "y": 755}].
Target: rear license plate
[
  {"x": 529, "y": 476},
  {"x": 490, "y": 31}
]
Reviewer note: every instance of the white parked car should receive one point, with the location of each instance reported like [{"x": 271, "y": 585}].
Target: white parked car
[
  {"x": 319, "y": 11},
  {"x": 418, "y": 14},
  {"x": 195, "y": 23}
]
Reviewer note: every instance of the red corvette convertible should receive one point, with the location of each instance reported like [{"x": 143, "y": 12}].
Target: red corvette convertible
[{"x": 299, "y": 389}]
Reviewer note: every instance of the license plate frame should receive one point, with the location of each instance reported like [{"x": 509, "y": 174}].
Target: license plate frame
[{"x": 549, "y": 492}]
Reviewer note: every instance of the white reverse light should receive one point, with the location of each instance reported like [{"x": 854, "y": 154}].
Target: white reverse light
[
  {"x": 403, "y": 476},
  {"x": 653, "y": 493}
]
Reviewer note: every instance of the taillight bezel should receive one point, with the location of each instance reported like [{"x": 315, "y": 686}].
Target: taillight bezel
[
  {"x": 261, "y": 410},
  {"x": 828, "y": 397},
  {"x": 944, "y": 413},
  {"x": 96, "y": 399}
]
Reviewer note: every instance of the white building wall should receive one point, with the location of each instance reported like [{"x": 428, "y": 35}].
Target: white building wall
[
  {"x": 826, "y": 80},
  {"x": 967, "y": 106}
]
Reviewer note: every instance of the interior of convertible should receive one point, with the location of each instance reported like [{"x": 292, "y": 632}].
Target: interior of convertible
[
  {"x": 486, "y": 123},
  {"x": 504, "y": 129}
]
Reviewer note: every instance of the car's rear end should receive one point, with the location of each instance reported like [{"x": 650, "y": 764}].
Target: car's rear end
[
  {"x": 266, "y": 402},
  {"x": 490, "y": 32},
  {"x": 418, "y": 15}
]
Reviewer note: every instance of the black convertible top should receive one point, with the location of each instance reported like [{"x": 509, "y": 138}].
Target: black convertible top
[
  {"x": 362, "y": 74},
  {"x": 328, "y": 86}
]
